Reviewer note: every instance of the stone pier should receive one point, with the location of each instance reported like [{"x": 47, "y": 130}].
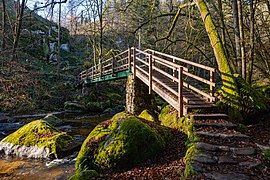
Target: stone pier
[{"x": 138, "y": 97}]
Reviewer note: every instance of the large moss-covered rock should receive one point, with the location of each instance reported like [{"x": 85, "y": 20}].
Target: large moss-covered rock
[
  {"x": 85, "y": 175},
  {"x": 37, "y": 139},
  {"x": 120, "y": 143}
]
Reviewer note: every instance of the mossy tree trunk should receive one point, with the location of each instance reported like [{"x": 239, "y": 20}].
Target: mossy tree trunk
[{"x": 229, "y": 84}]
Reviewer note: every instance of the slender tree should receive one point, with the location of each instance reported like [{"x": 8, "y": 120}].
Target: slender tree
[
  {"x": 59, "y": 39},
  {"x": 4, "y": 24},
  {"x": 251, "y": 42},
  {"x": 242, "y": 38},
  {"x": 236, "y": 36},
  {"x": 18, "y": 27}
]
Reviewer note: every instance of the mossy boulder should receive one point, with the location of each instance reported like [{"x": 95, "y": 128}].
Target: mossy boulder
[
  {"x": 37, "y": 139},
  {"x": 147, "y": 115},
  {"x": 53, "y": 120},
  {"x": 85, "y": 175},
  {"x": 169, "y": 118},
  {"x": 74, "y": 106},
  {"x": 94, "y": 107},
  {"x": 121, "y": 143}
]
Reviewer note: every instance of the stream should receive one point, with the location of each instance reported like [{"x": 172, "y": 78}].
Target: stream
[{"x": 33, "y": 169}]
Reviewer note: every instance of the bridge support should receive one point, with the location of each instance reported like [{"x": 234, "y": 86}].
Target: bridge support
[{"x": 138, "y": 97}]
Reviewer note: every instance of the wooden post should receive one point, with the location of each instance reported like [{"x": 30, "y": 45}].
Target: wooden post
[
  {"x": 93, "y": 68},
  {"x": 113, "y": 65},
  {"x": 150, "y": 74},
  {"x": 100, "y": 69},
  {"x": 87, "y": 74},
  {"x": 180, "y": 91},
  {"x": 129, "y": 58},
  {"x": 211, "y": 87},
  {"x": 134, "y": 62}
]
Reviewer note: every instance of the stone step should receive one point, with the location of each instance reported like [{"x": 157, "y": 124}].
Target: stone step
[
  {"x": 219, "y": 125},
  {"x": 221, "y": 135},
  {"x": 227, "y": 176},
  {"x": 212, "y": 116},
  {"x": 207, "y": 107},
  {"x": 217, "y": 148}
]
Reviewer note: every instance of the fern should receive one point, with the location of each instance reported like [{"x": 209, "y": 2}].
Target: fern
[{"x": 251, "y": 99}]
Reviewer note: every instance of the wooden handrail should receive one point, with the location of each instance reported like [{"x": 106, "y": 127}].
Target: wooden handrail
[{"x": 183, "y": 60}]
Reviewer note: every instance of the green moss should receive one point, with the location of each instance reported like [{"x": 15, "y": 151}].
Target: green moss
[
  {"x": 39, "y": 133},
  {"x": 147, "y": 115},
  {"x": 168, "y": 116},
  {"x": 117, "y": 144},
  {"x": 94, "y": 107},
  {"x": 85, "y": 175},
  {"x": 242, "y": 128},
  {"x": 266, "y": 155}
]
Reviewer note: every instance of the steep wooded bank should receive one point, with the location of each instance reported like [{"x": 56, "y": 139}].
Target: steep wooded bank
[{"x": 232, "y": 36}]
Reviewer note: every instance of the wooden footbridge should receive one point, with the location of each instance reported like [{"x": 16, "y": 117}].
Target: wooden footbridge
[{"x": 184, "y": 84}]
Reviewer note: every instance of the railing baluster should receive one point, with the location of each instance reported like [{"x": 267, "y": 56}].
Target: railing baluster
[
  {"x": 150, "y": 74},
  {"x": 180, "y": 91}
]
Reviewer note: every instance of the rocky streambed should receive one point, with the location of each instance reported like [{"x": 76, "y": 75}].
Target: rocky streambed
[
  {"x": 112, "y": 148},
  {"x": 14, "y": 167}
]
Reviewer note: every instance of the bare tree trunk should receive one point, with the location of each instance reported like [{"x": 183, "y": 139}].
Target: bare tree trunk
[
  {"x": 4, "y": 25},
  {"x": 251, "y": 43},
  {"x": 59, "y": 39},
  {"x": 18, "y": 27},
  {"x": 242, "y": 41},
  {"x": 268, "y": 5},
  {"x": 101, "y": 30},
  {"x": 236, "y": 36},
  {"x": 229, "y": 84}
]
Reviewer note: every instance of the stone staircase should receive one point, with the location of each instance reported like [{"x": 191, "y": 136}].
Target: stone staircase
[{"x": 223, "y": 151}]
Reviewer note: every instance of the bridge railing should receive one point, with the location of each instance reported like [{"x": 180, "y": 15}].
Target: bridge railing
[
  {"x": 207, "y": 79},
  {"x": 153, "y": 67},
  {"x": 149, "y": 62},
  {"x": 110, "y": 66}
]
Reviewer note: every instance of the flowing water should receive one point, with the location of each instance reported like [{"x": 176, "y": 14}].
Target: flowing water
[{"x": 32, "y": 169}]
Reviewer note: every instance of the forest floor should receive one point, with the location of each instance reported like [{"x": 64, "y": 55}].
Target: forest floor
[{"x": 260, "y": 132}]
